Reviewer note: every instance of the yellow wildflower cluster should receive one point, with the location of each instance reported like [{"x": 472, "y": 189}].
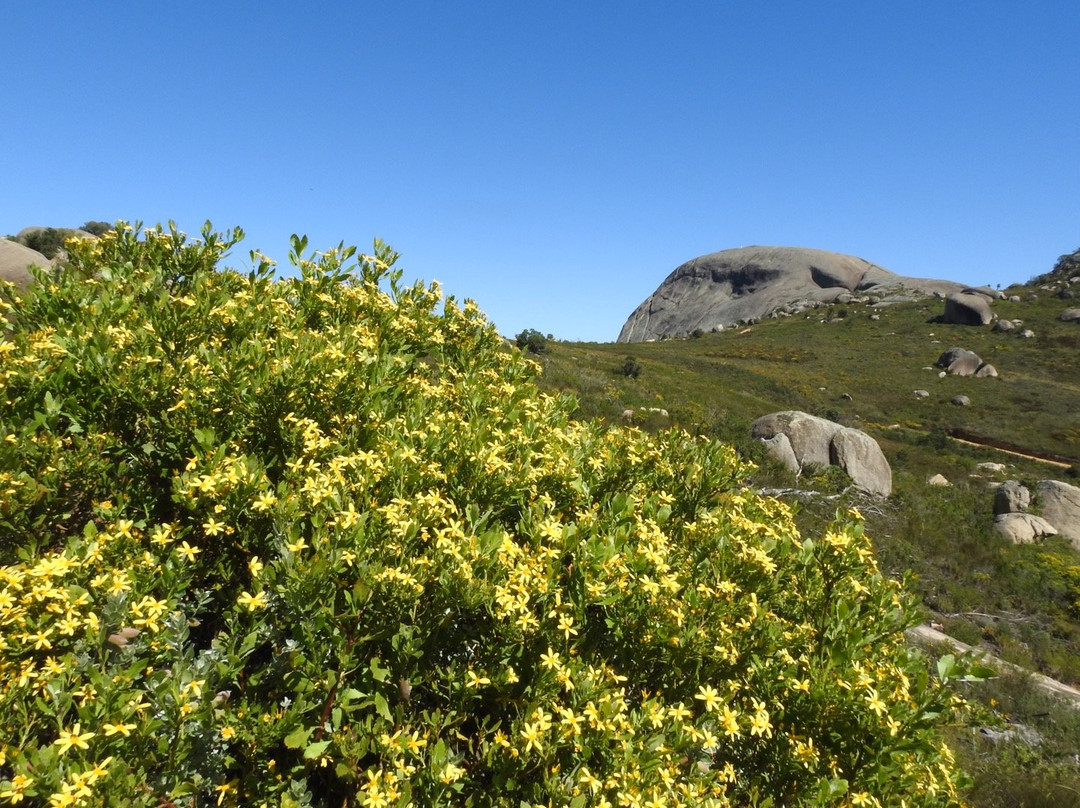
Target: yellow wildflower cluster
[{"x": 324, "y": 533}]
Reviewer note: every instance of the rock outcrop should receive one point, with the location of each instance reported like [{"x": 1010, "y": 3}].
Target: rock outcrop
[
  {"x": 733, "y": 286},
  {"x": 15, "y": 261},
  {"x": 1061, "y": 508},
  {"x": 799, "y": 440},
  {"x": 1060, "y": 505}
]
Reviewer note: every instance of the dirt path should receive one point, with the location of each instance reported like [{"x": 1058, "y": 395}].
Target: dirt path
[
  {"x": 1014, "y": 452},
  {"x": 924, "y": 635}
]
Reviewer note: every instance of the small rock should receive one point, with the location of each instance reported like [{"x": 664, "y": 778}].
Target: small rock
[
  {"x": 1014, "y": 298},
  {"x": 1070, "y": 315},
  {"x": 875, "y": 316},
  {"x": 922, "y": 394},
  {"x": 961, "y": 401},
  {"x": 991, "y": 467},
  {"x": 986, "y": 371},
  {"x": 939, "y": 480},
  {"x": 1004, "y": 325},
  {"x": 942, "y": 374},
  {"x": 1027, "y": 333}
]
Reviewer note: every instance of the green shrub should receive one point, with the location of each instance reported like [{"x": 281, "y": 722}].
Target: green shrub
[
  {"x": 320, "y": 541},
  {"x": 630, "y": 368},
  {"x": 532, "y": 341}
]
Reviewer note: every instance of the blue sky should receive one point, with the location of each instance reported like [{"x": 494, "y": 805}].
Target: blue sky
[{"x": 555, "y": 161}]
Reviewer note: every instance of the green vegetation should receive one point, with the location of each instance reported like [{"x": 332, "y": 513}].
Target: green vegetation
[
  {"x": 532, "y": 341},
  {"x": 49, "y": 241},
  {"x": 321, "y": 541},
  {"x": 1020, "y": 602}
]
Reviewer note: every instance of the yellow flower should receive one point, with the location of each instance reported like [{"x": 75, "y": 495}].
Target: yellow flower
[
  {"x": 213, "y": 527},
  {"x": 118, "y": 729},
  {"x": 188, "y": 551},
  {"x": 252, "y": 602},
  {"x": 70, "y": 738},
  {"x": 708, "y": 694},
  {"x": 228, "y": 733}
]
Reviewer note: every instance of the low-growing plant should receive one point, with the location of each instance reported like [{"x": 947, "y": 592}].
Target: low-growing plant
[{"x": 321, "y": 541}]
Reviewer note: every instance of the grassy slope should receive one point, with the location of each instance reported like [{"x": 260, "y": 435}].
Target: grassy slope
[{"x": 1021, "y": 602}]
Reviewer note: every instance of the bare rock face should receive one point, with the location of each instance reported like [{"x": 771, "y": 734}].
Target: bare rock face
[
  {"x": 1023, "y": 528},
  {"x": 1061, "y": 508},
  {"x": 748, "y": 283},
  {"x": 968, "y": 309},
  {"x": 15, "y": 261},
  {"x": 800, "y": 440}
]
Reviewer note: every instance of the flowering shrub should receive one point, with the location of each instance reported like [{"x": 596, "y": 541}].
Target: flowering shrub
[{"x": 320, "y": 541}]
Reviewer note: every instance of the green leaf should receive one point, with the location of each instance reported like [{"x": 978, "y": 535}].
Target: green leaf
[
  {"x": 297, "y": 738},
  {"x": 382, "y": 708},
  {"x": 945, "y": 666},
  {"x": 314, "y": 750}
]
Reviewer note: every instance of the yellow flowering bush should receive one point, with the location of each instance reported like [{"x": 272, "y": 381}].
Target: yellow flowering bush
[{"x": 320, "y": 541}]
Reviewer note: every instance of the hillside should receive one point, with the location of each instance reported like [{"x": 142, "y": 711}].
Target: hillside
[{"x": 862, "y": 366}]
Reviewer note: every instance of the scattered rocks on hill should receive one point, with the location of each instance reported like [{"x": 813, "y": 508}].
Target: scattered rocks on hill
[
  {"x": 1070, "y": 315},
  {"x": 962, "y": 362},
  {"x": 800, "y": 440},
  {"x": 15, "y": 261},
  {"x": 967, "y": 309},
  {"x": 749, "y": 283}
]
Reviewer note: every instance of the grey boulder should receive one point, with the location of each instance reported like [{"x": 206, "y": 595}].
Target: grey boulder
[
  {"x": 967, "y": 309},
  {"x": 1061, "y": 508},
  {"x": 801, "y": 440},
  {"x": 1023, "y": 528},
  {"x": 1011, "y": 497},
  {"x": 1070, "y": 315}
]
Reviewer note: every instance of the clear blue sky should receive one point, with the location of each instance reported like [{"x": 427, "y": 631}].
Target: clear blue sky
[{"x": 555, "y": 161}]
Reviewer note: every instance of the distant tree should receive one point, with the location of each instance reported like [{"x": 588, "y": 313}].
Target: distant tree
[
  {"x": 631, "y": 368},
  {"x": 97, "y": 228},
  {"x": 532, "y": 341}
]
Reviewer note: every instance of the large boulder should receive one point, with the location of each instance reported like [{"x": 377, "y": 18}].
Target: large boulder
[
  {"x": 967, "y": 309},
  {"x": 801, "y": 440},
  {"x": 960, "y": 362},
  {"x": 1023, "y": 528},
  {"x": 860, "y": 456},
  {"x": 15, "y": 261},
  {"x": 808, "y": 435},
  {"x": 1011, "y": 496},
  {"x": 1061, "y": 508},
  {"x": 749, "y": 283}
]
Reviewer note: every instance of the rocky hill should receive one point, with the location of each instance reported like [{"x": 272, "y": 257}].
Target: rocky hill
[{"x": 748, "y": 283}]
